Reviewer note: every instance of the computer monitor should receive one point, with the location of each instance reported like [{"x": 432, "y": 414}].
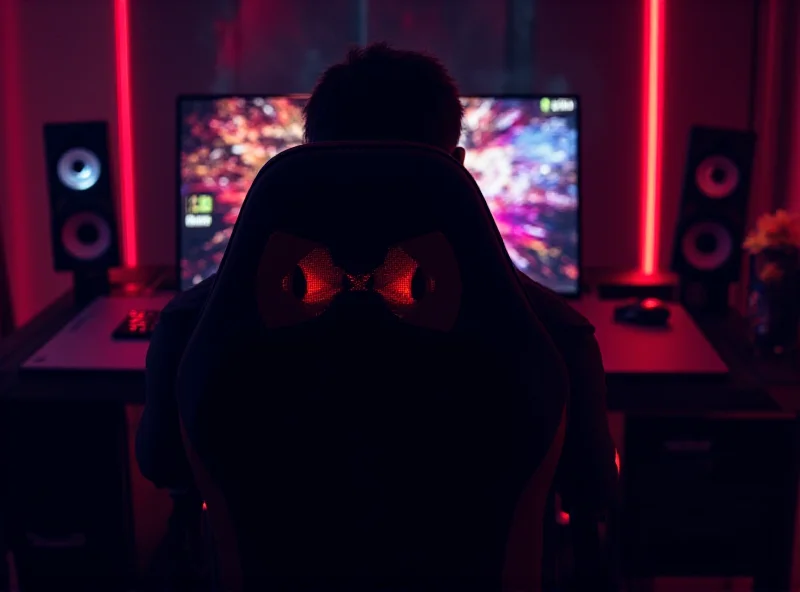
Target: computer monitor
[{"x": 522, "y": 151}]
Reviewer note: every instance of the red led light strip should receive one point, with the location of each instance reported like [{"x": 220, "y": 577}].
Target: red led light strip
[
  {"x": 125, "y": 132},
  {"x": 653, "y": 87},
  {"x": 13, "y": 134}
]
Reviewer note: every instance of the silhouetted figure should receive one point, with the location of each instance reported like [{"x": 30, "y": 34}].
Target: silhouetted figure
[{"x": 381, "y": 94}]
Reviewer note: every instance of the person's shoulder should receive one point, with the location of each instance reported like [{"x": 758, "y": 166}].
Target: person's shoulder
[
  {"x": 176, "y": 323},
  {"x": 189, "y": 303},
  {"x": 553, "y": 310}
]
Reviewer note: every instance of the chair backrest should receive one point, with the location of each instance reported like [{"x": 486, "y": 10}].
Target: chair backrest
[{"x": 368, "y": 396}]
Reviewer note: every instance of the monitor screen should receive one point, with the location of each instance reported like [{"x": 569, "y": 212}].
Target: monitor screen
[{"x": 523, "y": 153}]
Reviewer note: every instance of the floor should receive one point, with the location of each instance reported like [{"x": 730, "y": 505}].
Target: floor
[{"x": 658, "y": 585}]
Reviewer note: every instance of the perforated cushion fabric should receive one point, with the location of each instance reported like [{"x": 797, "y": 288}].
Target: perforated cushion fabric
[{"x": 378, "y": 435}]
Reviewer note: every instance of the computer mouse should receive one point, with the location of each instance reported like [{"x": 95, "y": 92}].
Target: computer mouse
[{"x": 649, "y": 312}]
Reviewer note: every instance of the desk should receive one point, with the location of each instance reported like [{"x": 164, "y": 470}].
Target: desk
[
  {"x": 678, "y": 349},
  {"x": 82, "y": 358},
  {"x": 643, "y": 364},
  {"x": 85, "y": 343}
]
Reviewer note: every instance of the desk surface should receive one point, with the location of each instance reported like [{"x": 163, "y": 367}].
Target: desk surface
[
  {"x": 679, "y": 349},
  {"x": 85, "y": 343}
]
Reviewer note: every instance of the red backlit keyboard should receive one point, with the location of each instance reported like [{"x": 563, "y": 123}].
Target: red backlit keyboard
[{"x": 138, "y": 324}]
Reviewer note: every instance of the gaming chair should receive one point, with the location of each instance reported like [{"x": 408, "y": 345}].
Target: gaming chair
[{"x": 368, "y": 401}]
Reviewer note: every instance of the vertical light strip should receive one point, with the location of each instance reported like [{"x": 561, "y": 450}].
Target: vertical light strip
[
  {"x": 653, "y": 83},
  {"x": 125, "y": 132},
  {"x": 17, "y": 209}
]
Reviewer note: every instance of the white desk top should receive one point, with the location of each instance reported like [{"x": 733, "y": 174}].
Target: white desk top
[
  {"x": 681, "y": 349},
  {"x": 86, "y": 343}
]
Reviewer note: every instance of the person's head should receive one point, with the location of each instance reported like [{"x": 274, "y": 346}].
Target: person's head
[{"x": 380, "y": 93}]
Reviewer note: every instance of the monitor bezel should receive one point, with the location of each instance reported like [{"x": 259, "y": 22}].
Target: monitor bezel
[{"x": 217, "y": 96}]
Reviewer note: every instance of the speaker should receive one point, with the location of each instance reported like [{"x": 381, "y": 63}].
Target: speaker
[
  {"x": 707, "y": 251},
  {"x": 83, "y": 222}
]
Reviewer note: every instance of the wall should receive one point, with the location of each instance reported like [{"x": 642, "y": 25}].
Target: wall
[
  {"x": 63, "y": 71},
  {"x": 594, "y": 49},
  {"x": 707, "y": 81},
  {"x": 10, "y": 159},
  {"x": 173, "y": 51},
  {"x": 590, "y": 48},
  {"x": 793, "y": 198}
]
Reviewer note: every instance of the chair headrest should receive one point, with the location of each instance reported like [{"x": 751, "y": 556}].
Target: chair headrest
[
  {"x": 330, "y": 235},
  {"x": 350, "y": 214}
]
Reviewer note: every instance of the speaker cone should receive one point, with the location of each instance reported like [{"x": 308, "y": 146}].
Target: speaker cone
[
  {"x": 717, "y": 177},
  {"x": 86, "y": 236},
  {"x": 79, "y": 169},
  {"x": 707, "y": 246}
]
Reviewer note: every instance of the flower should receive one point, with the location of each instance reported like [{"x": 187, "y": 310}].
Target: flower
[
  {"x": 771, "y": 272},
  {"x": 780, "y": 230}
]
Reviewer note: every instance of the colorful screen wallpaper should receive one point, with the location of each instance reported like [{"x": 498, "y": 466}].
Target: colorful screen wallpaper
[{"x": 523, "y": 153}]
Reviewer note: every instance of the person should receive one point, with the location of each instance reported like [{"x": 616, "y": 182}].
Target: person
[{"x": 379, "y": 93}]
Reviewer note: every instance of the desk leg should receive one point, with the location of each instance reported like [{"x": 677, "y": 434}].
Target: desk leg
[
  {"x": 778, "y": 558},
  {"x": 795, "y": 577}
]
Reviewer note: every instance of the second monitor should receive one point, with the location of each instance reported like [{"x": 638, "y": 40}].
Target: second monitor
[{"x": 522, "y": 151}]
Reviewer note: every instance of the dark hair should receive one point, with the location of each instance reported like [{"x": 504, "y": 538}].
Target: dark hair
[{"x": 380, "y": 93}]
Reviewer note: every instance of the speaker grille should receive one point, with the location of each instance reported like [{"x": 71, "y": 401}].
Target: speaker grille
[
  {"x": 707, "y": 246},
  {"x": 717, "y": 177},
  {"x": 79, "y": 169},
  {"x": 86, "y": 236},
  {"x": 713, "y": 211},
  {"x": 83, "y": 220}
]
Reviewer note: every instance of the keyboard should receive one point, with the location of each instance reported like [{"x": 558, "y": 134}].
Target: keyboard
[{"x": 138, "y": 325}]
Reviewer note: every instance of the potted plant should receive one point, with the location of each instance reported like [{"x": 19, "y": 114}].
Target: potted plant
[{"x": 774, "y": 291}]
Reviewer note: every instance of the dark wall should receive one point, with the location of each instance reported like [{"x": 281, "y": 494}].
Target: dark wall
[
  {"x": 56, "y": 64},
  {"x": 589, "y": 47},
  {"x": 579, "y": 46}
]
